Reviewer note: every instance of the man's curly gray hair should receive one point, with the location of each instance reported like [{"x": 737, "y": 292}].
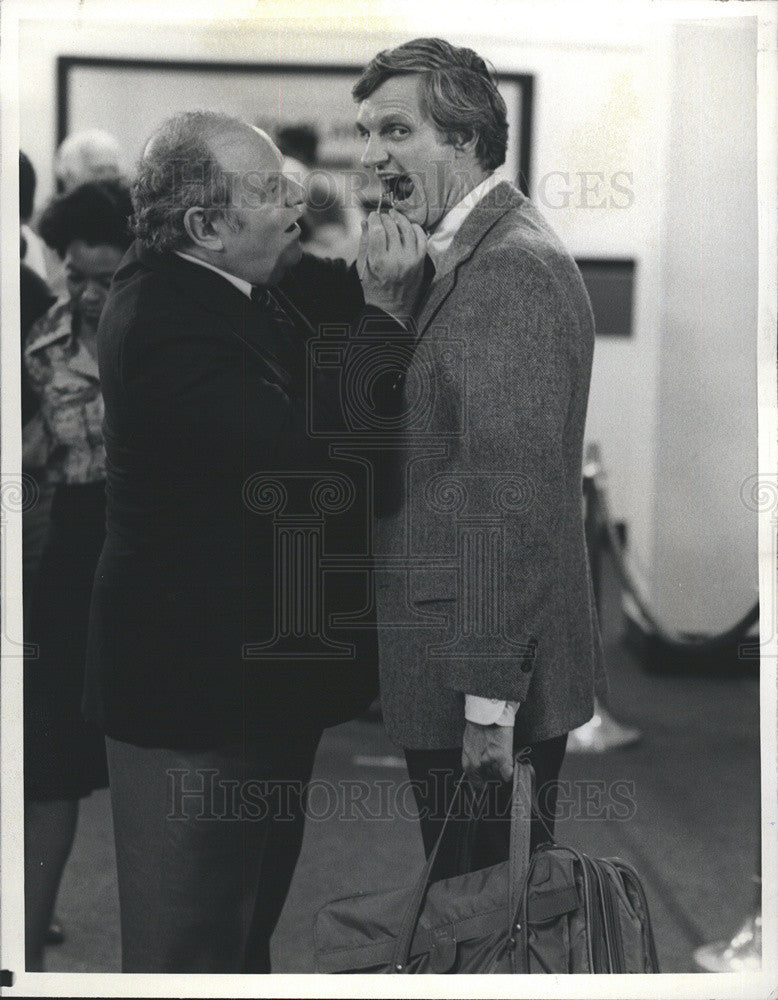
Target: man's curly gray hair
[{"x": 178, "y": 171}]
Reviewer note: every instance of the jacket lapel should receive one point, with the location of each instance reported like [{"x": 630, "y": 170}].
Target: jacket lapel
[
  {"x": 204, "y": 286},
  {"x": 489, "y": 210},
  {"x": 219, "y": 296}
]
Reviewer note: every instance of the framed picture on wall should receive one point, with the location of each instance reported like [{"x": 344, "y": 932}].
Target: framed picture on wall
[
  {"x": 610, "y": 282},
  {"x": 130, "y": 97}
]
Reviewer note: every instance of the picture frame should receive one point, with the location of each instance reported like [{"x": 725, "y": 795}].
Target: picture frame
[{"x": 130, "y": 97}]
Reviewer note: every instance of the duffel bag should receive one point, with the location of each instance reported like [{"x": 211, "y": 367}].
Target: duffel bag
[{"x": 556, "y": 911}]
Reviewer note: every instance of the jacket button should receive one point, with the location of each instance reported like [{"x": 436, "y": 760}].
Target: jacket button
[{"x": 526, "y": 666}]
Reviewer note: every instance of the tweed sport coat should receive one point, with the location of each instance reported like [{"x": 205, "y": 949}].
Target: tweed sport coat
[{"x": 483, "y": 583}]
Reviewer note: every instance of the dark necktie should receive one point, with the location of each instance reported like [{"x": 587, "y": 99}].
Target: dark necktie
[{"x": 283, "y": 340}]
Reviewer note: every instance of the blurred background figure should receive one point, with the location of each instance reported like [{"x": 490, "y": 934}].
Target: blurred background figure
[
  {"x": 36, "y": 298},
  {"x": 64, "y": 757},
  {"x": 90, "y": 155},
  {"x": 330, "y": 227},
  {"x": 300, "y": 143},
  {"x": 31, "y": 248}
]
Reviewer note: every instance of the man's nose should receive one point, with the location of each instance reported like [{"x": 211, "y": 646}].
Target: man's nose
[
  {"x": 295, "y": 193},
  {"x": 373, "y": 154}
]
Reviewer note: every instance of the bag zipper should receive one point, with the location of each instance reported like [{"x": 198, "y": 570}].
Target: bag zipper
[
  {"x": 588, "y": 909},
  {"x": 629, "y": 872},
  {"x": 596, "y": 915},
  {"x": 613, "y": 938}
]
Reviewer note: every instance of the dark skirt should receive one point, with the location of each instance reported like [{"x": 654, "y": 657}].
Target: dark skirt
[{"x": 64, "y": 755}]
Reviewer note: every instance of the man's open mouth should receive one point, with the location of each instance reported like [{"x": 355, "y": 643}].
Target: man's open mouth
[
  {"x": 396, "y": 188},
  {"x": 294, "y": 227}
]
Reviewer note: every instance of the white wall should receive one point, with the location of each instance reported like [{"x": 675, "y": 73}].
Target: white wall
[
  {"x": 602, "y": 102},
  {"x": 706, "y": 569}
]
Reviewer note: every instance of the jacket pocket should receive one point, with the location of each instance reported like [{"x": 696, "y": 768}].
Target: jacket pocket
[{"x": 427, "y": 585}]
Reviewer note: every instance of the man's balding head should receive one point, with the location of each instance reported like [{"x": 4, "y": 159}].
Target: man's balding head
[
  {"x": 211, "y": 184},
  {"x": 181, "y": 168}
]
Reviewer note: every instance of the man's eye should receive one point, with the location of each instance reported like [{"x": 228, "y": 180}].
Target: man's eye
[{"x": 397, "y": 131}]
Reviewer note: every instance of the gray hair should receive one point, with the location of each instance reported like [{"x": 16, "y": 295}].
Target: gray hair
[
  {"x": 91, "y": 155},
  {"x": 458, "y": 92},
  {"x": 178, "y": 171}
]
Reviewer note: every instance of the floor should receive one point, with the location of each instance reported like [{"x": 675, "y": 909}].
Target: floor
[{"x": 682, "y": 805}]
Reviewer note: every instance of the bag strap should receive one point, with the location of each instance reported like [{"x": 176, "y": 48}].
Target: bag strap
[
  {"x": 402, "y": 947},
  {"x": 521, "y": 812},
  {"x": 521, "y": 805}
]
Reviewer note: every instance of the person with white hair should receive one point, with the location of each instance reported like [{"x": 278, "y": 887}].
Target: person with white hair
[{"x": 89, "y": 155}]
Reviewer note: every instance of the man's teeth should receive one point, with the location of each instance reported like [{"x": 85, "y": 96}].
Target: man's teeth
[
  {"x": 398, "y": 187},
  {"x": 403, "y": 187}
]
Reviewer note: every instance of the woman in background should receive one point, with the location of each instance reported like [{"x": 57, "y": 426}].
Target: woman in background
[{"x": 64, "y": 757}]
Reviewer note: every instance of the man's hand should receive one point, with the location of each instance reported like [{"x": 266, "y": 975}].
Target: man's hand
[
  {"x": 487, "y": 753},
  {"x": 390, "y": 262}
]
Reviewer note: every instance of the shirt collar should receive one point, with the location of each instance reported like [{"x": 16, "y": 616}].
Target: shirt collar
[
  {"x": 240, "y": 283},
  {"x": 439, "y": 241},
  {"x": 56, "y": 327}
]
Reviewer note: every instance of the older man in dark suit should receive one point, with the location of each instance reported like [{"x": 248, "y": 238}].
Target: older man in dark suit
[
  {"x": 212, "y": 666},
  {"x": 488, "y": 637}
]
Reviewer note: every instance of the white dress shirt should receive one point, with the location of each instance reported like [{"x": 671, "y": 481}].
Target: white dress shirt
[
  {"x": 240, "y": 283},
  {"x": 485, "y": 711},
  {"x": 440, "y": 239}
]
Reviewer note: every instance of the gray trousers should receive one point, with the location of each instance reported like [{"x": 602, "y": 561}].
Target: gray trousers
[{"x": 206, "y": 845}]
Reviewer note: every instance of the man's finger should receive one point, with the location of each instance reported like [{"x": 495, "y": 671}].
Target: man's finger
[
  {"x": 393, "y": 242},
  {"x": 476, "y": 779},
  {"x": 362, "y": 251},
  {"x": 376, "y": 236},
  {"x": 421, "y": 239},
  {"x": 470, "y": 767},
  {"x": 506, "y": 769},
  {"x": 405, "y": 230}
]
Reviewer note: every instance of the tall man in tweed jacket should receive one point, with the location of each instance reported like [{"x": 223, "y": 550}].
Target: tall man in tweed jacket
[{"x": 488, "y": 638}]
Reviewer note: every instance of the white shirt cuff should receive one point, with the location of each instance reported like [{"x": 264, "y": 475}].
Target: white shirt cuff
[{"x": 490, "y": 711}]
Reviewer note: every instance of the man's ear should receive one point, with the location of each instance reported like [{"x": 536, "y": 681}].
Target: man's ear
[
  {"x": 200, "y": 229},
  {"x": 464, "y": 143}
]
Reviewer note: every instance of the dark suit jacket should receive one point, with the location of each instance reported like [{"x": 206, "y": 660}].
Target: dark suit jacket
[
  {"x": 205, "y": 397},
  {"x": 484, "y": 575}
]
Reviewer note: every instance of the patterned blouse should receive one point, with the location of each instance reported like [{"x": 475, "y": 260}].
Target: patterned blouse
[{"x": 67, "y": 433}]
